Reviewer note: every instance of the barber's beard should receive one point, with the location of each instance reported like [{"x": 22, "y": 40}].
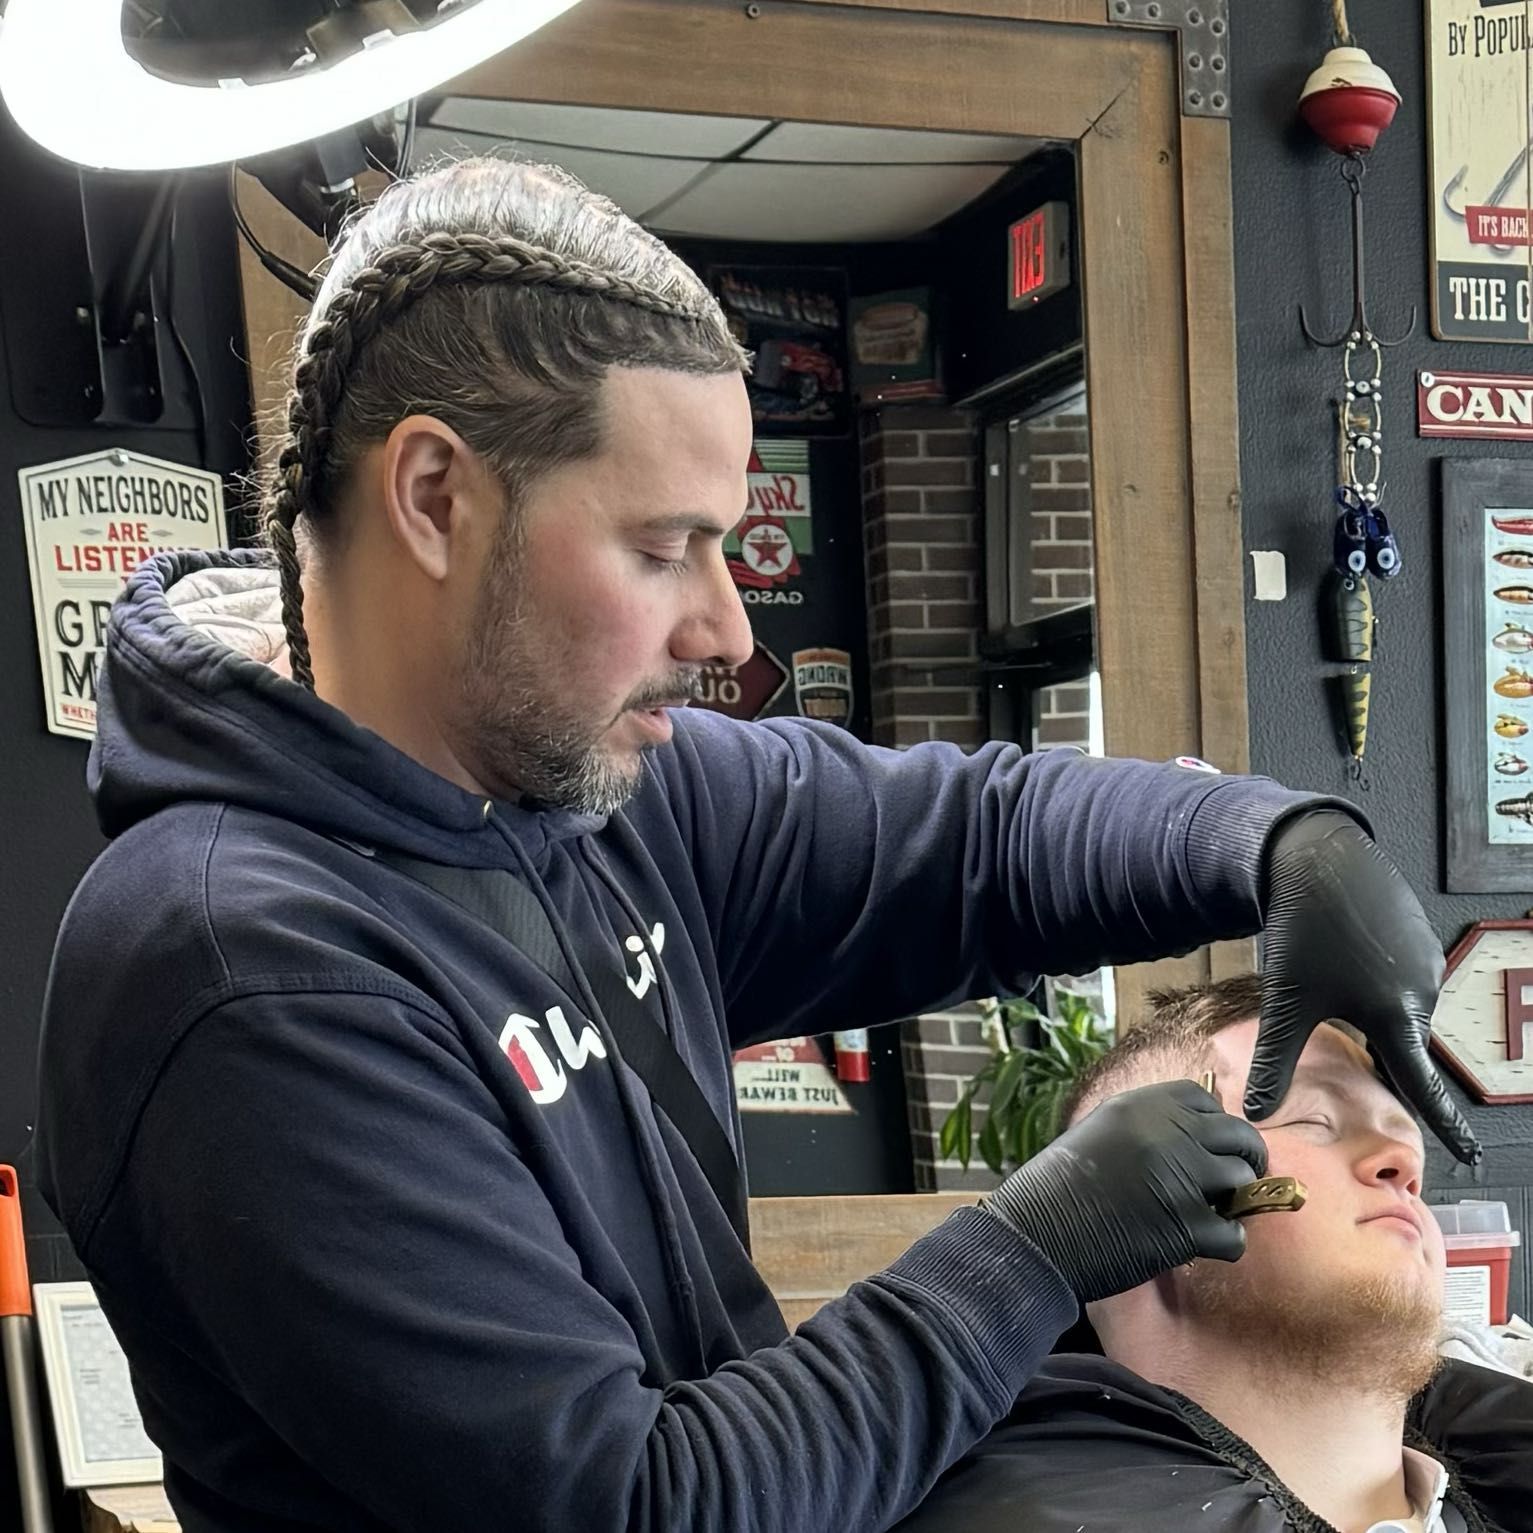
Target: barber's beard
[
  {"x": 525, "y": 733},
  {"x": 1364, "y": 1332}
]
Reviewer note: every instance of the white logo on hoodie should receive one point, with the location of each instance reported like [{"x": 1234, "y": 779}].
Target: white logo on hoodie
[
  {"x": 647, "y": 976},
  {"x": 543, "y": 1076}
]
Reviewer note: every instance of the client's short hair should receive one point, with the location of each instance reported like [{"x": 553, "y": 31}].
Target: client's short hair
[{"x": 1171, "y": 1040}]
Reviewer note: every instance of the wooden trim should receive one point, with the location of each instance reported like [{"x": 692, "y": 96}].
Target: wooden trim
[
  {"x": 795, "y": 63},
  {"x": 1214, "y": 454},
  {"x": 809, "y": 1250},
  {"x": 1075, "y": 13}
]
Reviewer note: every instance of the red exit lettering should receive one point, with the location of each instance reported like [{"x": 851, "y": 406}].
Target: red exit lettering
[{"x": 1029, "y": 255}]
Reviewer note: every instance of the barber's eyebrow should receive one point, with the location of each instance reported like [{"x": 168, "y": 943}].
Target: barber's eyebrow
[{"x": 683, "y": 521}]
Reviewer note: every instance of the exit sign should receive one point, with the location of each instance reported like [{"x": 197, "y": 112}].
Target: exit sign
[{"x": 1039, "y": 250}]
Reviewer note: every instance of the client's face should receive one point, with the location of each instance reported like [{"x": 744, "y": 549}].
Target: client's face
[{"x": 1353, "y": 1281}]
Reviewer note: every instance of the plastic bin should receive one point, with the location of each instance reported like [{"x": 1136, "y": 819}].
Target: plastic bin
[{"x": 1479, "y": 1238}]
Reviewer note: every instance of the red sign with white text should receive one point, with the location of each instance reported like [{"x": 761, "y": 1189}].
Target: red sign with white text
[{"x": 1475, "y": 405}]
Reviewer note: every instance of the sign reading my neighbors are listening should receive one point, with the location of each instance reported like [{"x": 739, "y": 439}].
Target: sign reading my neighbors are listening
[{"x": 91, "y": 521}]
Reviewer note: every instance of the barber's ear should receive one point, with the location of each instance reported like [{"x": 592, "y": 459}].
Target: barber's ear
[{"x": 431, "y": 480}]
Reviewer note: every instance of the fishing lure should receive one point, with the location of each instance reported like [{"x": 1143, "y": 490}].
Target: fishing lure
[
  {"x": 1355, "y": 626},
  {"x": 1517, "y": 808}
]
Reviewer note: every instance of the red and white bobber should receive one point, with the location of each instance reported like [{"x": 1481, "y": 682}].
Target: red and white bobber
[{"x": 1349, "y": 101}]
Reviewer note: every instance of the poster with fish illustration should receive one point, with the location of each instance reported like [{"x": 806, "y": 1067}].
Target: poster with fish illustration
[
  {"x": 1507, "y": 570},
  {"x": 1477, "y": 79},
  {"x": 1487, "y": 668}
]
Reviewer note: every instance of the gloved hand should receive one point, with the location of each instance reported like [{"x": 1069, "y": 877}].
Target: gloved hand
[
  {"x": 1125, "y": 1194},
  {"x": 1347, "y": 938}
]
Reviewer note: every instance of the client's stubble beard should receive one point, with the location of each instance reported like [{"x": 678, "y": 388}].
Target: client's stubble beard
[
  {"x": 1368, "y": 1332},
  {"x": 520, "y": 731}
]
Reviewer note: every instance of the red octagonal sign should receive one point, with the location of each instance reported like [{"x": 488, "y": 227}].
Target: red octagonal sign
[
  {"x": 744, "y": 691},
  {"x": 1482, "y": 1028}
]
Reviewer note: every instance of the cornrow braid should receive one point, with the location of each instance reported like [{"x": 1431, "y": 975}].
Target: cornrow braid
[{"x": 368, "y": 301}]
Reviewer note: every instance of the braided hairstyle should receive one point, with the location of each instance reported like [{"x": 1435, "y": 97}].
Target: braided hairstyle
[{"x": 494, "y": 297}]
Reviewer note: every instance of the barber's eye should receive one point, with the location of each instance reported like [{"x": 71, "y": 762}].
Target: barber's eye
[{"x": 665, "y": 565}]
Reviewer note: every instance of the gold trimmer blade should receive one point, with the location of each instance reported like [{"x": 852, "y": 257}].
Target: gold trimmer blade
[{"x": 1271, "y": 1195}]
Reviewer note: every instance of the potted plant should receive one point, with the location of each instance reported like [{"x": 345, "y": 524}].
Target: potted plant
[{"x": 1028, "y": 1081}]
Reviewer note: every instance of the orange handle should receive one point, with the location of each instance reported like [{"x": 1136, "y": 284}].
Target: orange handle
[{"x": 15, "y": 1291}]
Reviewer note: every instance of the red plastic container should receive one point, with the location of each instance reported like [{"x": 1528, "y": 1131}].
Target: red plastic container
[{"x": 1479, "y": 1239}]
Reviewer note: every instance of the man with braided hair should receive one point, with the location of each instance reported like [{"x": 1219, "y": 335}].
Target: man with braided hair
[{"x": 395, "y": 1209}]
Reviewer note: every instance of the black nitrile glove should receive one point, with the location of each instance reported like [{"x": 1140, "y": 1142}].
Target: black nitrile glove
[
  {"x": 1346, "y": 938},
  {"x": 1126, "y": 1193}
]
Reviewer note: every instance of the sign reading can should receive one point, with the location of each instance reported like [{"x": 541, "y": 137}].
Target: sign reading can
[
  {"x": 1475, "y": 405},
  {"x": 822, "y": 683}
]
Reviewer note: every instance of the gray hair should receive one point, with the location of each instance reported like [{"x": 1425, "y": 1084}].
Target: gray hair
[{"x": 494, "y": 297}]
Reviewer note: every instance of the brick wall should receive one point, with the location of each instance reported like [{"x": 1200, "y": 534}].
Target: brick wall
[
  {"x": 1059, "y": 507},
  {"x": 924, "y": 533},
  {"x": 922, "y": 530}
]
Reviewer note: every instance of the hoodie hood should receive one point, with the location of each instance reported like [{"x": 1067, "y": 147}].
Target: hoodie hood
[{"x": 195, "y": 703}]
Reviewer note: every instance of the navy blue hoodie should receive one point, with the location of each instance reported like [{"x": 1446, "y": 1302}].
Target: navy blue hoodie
[{"x": 391, "y": 1238}]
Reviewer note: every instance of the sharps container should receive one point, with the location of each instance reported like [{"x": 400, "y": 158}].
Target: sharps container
[{"x": 1479, "y": 1238}]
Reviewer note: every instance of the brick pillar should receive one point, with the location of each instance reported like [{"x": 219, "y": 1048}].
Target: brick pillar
[
  {"x": 1059, "y": 504},
  {"x": 923, "y": 526}
]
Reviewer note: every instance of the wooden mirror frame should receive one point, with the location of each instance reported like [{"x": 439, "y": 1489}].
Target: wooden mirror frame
[{"x": 1157, "y": 283}]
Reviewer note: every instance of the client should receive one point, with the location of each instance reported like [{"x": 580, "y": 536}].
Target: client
[{"x": 1299, "y": 1388}]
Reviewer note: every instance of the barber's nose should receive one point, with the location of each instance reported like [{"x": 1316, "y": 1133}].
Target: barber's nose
[
  {"x": 1396, "y": 1163},
  {"x": 719, "y": 630}
]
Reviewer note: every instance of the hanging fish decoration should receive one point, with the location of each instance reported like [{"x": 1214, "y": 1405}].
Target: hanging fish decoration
[
  {"x": 1355, "y": 621},
  {"x": 1356, "y": 684},
  {"x": 1514, "y": 639},
  {"x": 1508, "y": 764},
  {"x": 1513, "y": 683},
  {"x": 1514, "y": 558},
  {"x": 1515, "y": 526},
  {"x": 1509, "y": 726},
  {"x": 1521, "y": 595},
  {"x": 1517, "y": 808},
  {"x": 1353, "y": 636}
]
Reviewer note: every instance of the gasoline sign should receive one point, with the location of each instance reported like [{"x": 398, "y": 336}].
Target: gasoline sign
[{"x": 90, "y": 522}]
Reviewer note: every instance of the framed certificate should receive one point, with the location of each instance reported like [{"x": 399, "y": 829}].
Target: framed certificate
[{"x": 101, "y": 1436}]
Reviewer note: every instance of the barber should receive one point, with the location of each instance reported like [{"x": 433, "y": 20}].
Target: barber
[{"x": 367, "y": 1168}]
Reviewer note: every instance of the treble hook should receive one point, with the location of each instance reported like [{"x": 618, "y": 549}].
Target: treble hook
[
  {"x": 1353, "y": 169},
  {"x": 1502, "y": 187}
]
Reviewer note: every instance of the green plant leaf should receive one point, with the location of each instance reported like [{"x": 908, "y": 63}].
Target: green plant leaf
[
  {"x": 1008, "y": 1079},
  {"x": 963, "y": 1147},
  {"x": 947, "y": 1139},
  {"x": 990, "y": 1145}
]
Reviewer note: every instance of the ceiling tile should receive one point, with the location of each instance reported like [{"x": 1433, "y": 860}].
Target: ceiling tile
[
  {"x": 664, "y": 133},
  {"x": 883, "y": 146},
  {"x": 635, "y": 182},
  {"x": 823, "y": 203}
]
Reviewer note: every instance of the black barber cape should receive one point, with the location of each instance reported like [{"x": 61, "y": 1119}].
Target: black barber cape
[{"x": 1092, "y": 1446}]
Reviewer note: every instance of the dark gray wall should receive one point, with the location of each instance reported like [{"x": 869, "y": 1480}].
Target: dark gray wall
[
  {"x": 1291, "y": 246},
  {"x": 49, "y": 830}
]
